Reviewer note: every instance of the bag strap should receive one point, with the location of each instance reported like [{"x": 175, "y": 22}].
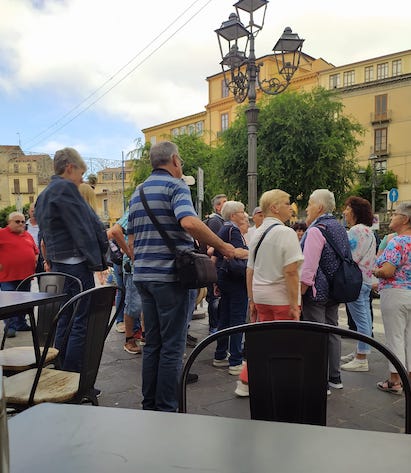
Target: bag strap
[
  {"x": 337, "y": 250},
  {"x": 167, "y": 240},
  {"x": 262, "y": 238}
]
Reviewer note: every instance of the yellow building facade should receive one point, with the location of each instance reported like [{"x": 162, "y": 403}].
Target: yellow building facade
[
  {"x": 376, "y": 92},
  {"x": 22, "y": 177}
]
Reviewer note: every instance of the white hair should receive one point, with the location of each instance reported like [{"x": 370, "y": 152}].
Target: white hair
[
  {"x": 325, "y": 198},
  {"x": 231, "y": 207}
]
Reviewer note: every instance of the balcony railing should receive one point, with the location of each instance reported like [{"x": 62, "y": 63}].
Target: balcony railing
[{"x": 382, "y": 117}]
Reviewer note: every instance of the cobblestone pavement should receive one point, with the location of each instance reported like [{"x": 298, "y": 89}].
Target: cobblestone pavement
[{"x": 359, "y": 405}]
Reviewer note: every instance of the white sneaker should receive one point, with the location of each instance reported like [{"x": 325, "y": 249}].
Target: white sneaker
[
  {"x": 235, "y": 370},
  {"x": 356, "y": 365},
  {"x": 242, "y": 389},
  {"x": 347, "y": 358},
  {"x": 220, "y": 363}
]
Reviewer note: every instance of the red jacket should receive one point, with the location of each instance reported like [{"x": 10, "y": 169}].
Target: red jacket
[{"x": 18, "y": 254}]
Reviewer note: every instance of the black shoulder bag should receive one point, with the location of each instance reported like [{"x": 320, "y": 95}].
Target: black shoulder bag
[
  {"x": 345, "y": 284},
  {"x": 194, "y": 269}
]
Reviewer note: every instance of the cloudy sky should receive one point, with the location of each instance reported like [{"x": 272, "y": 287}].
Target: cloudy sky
[{"x": 92, "y": 73}]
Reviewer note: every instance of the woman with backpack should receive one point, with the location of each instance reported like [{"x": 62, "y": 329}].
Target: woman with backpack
[{"x": 359, "y": 217}]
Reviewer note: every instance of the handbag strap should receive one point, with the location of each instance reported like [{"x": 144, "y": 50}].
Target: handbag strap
[
  {"x": 337, "y": 250},
  {"x": 262, "y": 238},
  {"x": 167, "y": 240}
]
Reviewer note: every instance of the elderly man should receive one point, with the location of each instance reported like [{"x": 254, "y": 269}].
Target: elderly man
[
  {"x": 18, "y": 258},
  {"x": 75, "y": 243},
  {"x": 165, "y": 301}
]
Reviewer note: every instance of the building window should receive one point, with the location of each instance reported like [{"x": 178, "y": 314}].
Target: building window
[
  {"x": 224, "y": 89},
  {"x": 380, "y": 140},
  {"x": 183, "y": 130},
  {"x": 224, "y": 121},
  {"x": 334, "y": 81},
  {"x": 16, "y": 186},
  {"x": 30, "y": 188},
  {"x": 29, "y": 168},
  {"x": 382, "y": 70},
  {"x": 381, "y": 107},
  {"x": 107, "y": 176},
  {"x": 396, "y": 67},
  {"x": 31, "y": 199},
  {"x": 16, "y": 168},
  {"x": 368, "y": 73},
  {"x": 348, "y": 78},
  {"x": 191, "y": 129},
  {"x": 105, "y": 207},
  {"x": 199, "y": 128},
  {"x": 174, "y": 132},
  {"x": 153, "y": 140}
]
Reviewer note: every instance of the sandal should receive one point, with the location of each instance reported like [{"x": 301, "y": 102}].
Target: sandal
[{"x": 390, "y": 387}]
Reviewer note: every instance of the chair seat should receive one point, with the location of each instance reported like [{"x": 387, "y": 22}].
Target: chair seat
[
  {"x": 23, "y": 358},
  {"x": 54, "y": 386}
]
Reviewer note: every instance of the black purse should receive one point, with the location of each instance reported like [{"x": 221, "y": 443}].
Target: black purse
[
  {"x": 234, "y": 268},
  {"x": 194, "y": 269}
]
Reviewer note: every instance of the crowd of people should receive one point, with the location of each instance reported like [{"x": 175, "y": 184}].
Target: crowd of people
[{"x": 270, "y": 271}]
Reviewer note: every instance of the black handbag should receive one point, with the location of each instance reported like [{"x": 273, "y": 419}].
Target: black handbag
[
  {"x": 234, "y": 268},
  {"x": 194, "y": 269}
]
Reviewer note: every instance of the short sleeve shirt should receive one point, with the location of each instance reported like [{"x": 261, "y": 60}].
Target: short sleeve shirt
[{"x": 397, "y": 253}]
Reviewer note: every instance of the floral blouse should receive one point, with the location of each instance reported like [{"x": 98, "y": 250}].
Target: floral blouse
[
  {"x": 363, "y": 249},
  {"x": 398, "y": 253}
]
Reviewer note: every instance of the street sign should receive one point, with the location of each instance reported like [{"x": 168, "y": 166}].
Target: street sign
[
  {"x": 200, "y": 184},
  {"x": 393, "y": 195}
]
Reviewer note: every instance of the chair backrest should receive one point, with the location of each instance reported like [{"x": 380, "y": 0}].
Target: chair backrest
[
  {"x": 53, "y": 283},
  {"x": 99, "y": 301},
  {"x": 288, "y": 369}
]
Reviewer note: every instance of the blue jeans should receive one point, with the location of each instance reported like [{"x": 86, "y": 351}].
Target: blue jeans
[
  {"x": 132, "y": 305},
  {"x": 192, "y": 297},
  {"x": 233, "y": 311},
  {"x": 71, "y": 355},
  {"x": 361, "y": 314},
  {"x": 118, "y": 276},
  {"x": 165, "y": 307},
  {"x": 16, "y": 322}
]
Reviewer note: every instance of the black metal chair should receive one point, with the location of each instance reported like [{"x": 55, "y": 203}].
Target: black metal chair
[
  {"x": 22, "y": 358},
  {"x": 54, "y": 385},
  {"x": 288, "y": 369}
]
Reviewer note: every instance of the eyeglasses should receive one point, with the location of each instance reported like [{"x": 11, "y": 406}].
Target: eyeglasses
[
  {"x": 396, "y": 213},
  {"x": 19, "y": 221}
]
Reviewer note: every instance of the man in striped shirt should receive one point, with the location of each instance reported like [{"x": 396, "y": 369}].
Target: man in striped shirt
[{"x": 165, "y": 301}]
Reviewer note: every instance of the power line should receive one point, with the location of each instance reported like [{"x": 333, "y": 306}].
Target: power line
[{"x": 64, "y": 124}]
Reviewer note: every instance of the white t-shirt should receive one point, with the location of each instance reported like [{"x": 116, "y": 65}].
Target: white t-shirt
[{"x": 279, "y": 248}]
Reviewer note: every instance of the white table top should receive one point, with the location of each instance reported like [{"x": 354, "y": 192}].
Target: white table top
[{"x": 69, "y": 438}]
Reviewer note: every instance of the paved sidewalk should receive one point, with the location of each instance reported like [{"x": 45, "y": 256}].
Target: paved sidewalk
[{"x": 359, "y": 405}]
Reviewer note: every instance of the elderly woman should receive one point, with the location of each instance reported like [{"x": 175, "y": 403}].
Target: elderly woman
[
  {"x": 320, "y": 264},
  {"x": 234, "y": 301},
  {"x": 358, "y": 215},
  {"x": 273, "y": 282},
  {"x": 394, "y": 272}
]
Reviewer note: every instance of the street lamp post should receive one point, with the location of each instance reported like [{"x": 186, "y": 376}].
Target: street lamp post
[
  {"x": 242, "y": 73},
  {"x": 373, "y": 159}
]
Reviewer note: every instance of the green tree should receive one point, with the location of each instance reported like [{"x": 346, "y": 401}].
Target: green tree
[
  {"x": 304, "y": 142},
  {"x": 4, "y": 215},
  {"x": 383, "y": 183}
]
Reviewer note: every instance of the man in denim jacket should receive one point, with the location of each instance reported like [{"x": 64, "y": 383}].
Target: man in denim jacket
[{"x": 73, "y": 242}]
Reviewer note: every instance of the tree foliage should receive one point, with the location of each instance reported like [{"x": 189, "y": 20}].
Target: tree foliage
[
  {"x": 304, "y": 142},
  {"x": 383, "y": 183}
]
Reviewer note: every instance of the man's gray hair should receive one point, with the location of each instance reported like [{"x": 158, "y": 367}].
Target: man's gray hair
[
  {"x": 325, "y": 198},
  {"x": 14, "y": 215},
  {"x": 161, "y": 153},
  {"x": 216, "y": 200},
  {"x": 231, "y": 207},
  {"x": 66, "y": 156},
  {"x": 404, "y": 208}
]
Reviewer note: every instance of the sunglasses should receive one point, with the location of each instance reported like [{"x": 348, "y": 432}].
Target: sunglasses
[{"x": 19, "y": 221}]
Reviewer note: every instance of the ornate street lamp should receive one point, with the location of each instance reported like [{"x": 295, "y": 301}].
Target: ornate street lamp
[{"x": 242, "y": 74}]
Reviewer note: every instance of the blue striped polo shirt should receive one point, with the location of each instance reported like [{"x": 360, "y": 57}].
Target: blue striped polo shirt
[{"x": 169, "y": 199}]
